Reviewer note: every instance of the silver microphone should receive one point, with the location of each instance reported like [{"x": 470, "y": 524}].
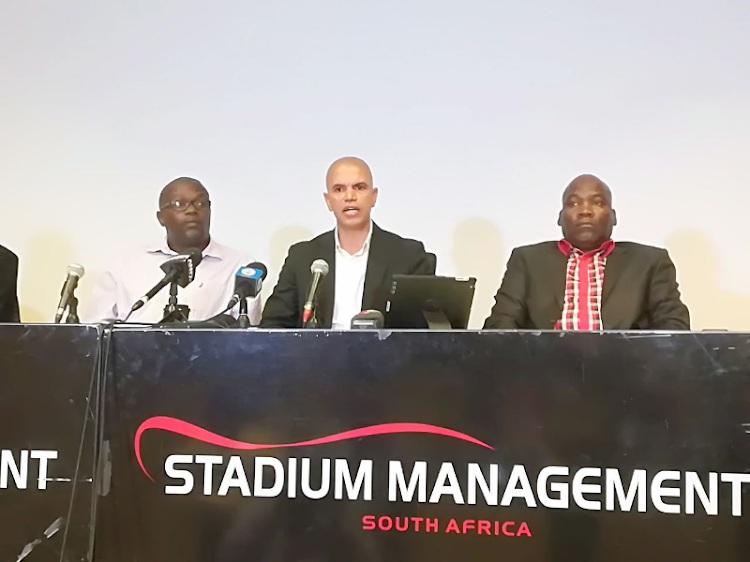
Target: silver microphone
[
  {"x": 75, "y": 272},
  {"x": 319, "y": 270}
]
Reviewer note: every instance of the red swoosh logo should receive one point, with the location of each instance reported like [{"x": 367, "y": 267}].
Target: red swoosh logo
[{"x": 180, "y": 427}]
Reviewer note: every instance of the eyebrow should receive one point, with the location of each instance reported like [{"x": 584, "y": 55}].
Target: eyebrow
[{"x": 335, "y": 185}]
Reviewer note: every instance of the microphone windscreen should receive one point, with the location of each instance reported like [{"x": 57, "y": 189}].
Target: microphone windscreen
[
  {"x": 75, "y": 269},
  {"x": 259, "y": 270},
  {"x": 319, "y": 266},
  {"x": 195, "y": 255}
]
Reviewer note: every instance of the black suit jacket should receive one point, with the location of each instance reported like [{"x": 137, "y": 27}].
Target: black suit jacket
[
  {"x": 389, "y": 254},
  {"x": 8, "y": 286},
  {"x": 640, "y": 290}
]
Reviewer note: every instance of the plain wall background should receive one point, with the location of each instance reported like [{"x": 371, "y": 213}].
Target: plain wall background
[{"x": 473, "y": 116}]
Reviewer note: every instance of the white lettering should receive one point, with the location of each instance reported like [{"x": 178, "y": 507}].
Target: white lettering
[
  {"x": 518, "y": 477},
  {"x": 44, "y": 457},
  {"x": 447, "y": 484},
  {"x": 19, "y": 472},
  {"x": 278, "y": 475},
  {"x": 292, "y": 478},
  {"x": 343, "y": 479},
  {"x": 325, "y": 479},
  {"x": 658, "y": 491},
  {"x": 397, "y": 482},
  {"x": 176, "y": 474},
  {"x": 476, "y": 479},
  {"x": 694, "y": 487},
  {"x": 208, "y": 472},
  {"x": 737, "y": 480},
  {"x": 559, "y": 488},
  {"x": 234, "y": 477},
  {"x": 580, "y": 488},
  {"x": 614, "y": 489}
]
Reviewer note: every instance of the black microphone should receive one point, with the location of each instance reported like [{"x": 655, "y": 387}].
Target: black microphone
[
  {"x": 319, "y": 270},
  {"x": 368, "y": 320},
  {"x": 248, "y": 282},
  {"x": 179, "y": 269},
  {"x": 75, "y": 272}
]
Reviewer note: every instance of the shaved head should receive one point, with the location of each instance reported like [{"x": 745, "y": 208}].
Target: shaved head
[
  {"x": 350, "y": 194},
  {"x": 348, "y": 162},
  {"x": 166, "y": 193},
  {"x": 587, "y": 180}
]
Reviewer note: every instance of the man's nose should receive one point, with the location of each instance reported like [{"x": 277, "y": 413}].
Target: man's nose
[
  {"x": 585, "y": 210},
  {"x": 350, "y": 195}
]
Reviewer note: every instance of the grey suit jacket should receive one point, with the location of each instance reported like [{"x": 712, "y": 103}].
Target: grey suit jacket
[{"x": 640, "y": 290}]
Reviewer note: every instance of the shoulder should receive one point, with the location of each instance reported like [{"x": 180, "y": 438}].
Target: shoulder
[
  {"x": 641, "y": 251},
  {"x": 232, "y": 255},
  {"x": 393, "y": 239},
  {"x": 7, "y": 256},
  {"x": 537, "y": 249},
  {"x": 308, "y": 246}
]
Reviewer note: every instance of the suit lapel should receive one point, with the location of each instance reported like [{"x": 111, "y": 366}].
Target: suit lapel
[
  {"x": 556, "y": 273},
  {"x": 613, "y": 272},
  {"x": 327, "y": 251},
  {"x": 377, "y": 268}
]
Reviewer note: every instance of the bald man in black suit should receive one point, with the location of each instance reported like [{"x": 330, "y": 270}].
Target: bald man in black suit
[{"x": 8, "y": 284}]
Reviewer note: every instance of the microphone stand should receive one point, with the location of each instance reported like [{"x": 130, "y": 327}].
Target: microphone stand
[
  {"x": 243, "y": 320},
  {"x": 72, "y": 311},
  {"x": 174, "y": 312}
]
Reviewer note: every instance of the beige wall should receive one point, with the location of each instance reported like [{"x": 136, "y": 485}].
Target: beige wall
[{"x": 473, "y": 120}]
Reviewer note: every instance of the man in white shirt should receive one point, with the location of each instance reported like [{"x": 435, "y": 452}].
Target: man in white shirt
[
  {"x": 185, "y": 213},
  {"x": 361, "y": 257}
]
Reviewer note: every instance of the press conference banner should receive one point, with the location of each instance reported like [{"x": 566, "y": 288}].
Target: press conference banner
[
  {"x": 48, "y": 403},
  {"x": 324, "y": 446}
]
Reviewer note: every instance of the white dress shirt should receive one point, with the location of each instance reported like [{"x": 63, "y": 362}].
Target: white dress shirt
[
  {"x": 134, "y": 272},
  {"x": 350, "y": 282}
]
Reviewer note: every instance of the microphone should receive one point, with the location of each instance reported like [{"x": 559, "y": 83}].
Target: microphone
[
  {"x": 178, "y": 269},
  {"x": 75, "y": 272},
  {"x": 248, "y": 282},
  {"x": 319, "y": 270},
  {"x": 368, "y": 320}
]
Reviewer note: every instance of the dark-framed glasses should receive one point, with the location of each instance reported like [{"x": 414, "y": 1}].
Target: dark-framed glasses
[{"x": 181, "y": 206}]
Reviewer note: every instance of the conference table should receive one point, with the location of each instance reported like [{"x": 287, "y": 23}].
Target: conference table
[{"x": 144, "y": 444}]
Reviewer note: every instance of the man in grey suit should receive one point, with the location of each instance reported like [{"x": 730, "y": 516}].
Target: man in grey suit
[{"x": 586, "y": 281}]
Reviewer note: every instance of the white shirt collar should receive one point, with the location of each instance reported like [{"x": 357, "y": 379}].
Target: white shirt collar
[
  {"x": 365, "y": 247},
  {"x": 213, "y": 250}
]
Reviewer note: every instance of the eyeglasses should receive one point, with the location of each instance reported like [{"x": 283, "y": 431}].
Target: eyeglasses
[{"x": 181, "y": 206}]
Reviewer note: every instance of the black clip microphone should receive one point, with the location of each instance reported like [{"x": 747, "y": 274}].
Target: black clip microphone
[
  {"x": 248, "y": 283},
  {"x": 179, "y": 269}
]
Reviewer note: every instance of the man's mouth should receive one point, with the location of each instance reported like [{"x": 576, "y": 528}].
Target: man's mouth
[{"x": 351, "y": 210}]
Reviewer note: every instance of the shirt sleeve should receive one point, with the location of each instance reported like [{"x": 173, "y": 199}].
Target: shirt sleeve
[{"x": 103, "y": 304}]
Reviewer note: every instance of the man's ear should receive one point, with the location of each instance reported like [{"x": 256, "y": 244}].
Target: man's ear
[
  {"x": 375, "y": 198},
  {"x": 328, "y": 203},
  {"x": 614, "y": 217},
  {"x": 559, "y": 219},
  {"x": 158, "y": 217}
]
